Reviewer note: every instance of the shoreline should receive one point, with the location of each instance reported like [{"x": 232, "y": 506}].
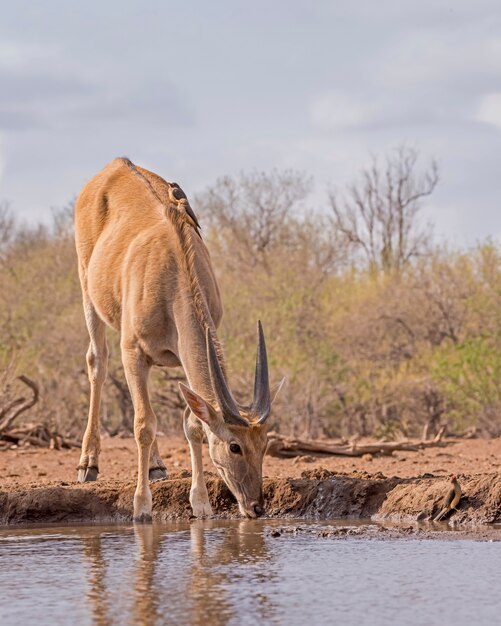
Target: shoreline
[{"x": 315, "y": 496}]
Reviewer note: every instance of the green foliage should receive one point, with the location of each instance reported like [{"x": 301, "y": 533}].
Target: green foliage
[{"x": 469, "y": 377}]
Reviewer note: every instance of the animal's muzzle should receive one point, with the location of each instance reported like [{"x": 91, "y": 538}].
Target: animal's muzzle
[{"x": 258, "y": 510}]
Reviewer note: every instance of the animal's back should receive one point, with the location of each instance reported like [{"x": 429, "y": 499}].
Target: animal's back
[
  {"x": 120, "y": 219},
  {"x": 117, "y": 200},
  {"x": 134, "y": 233}
]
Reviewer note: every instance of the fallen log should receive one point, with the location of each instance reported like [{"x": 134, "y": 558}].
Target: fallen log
[
  {"x": 284, "y": 447},
  {"x": 55, "y": 441}
]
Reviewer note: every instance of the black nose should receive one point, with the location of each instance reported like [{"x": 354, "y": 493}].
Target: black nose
[{"x": 258, "y": 510}]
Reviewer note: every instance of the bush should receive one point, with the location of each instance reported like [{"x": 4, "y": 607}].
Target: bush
[{"x": 366, "y": 348}]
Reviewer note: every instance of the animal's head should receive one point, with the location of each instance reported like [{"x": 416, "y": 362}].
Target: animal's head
[{"x": 237, "y": 435}]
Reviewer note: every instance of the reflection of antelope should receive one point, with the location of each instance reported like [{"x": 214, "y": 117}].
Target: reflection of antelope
[
  {"x": 145, "y": 271},
  {"x": 163, "y": 585},
  {"x": 147, "y": 598},
  {"x": 97, "y": 592},
  {"x": 213, "y": 570},
  {"x": 142, "y": 603}
]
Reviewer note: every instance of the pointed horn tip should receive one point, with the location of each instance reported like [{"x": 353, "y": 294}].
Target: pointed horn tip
[
  {"x": 261, "y": 341},
  {"x": 261, "y": 403},
  {"x": 260, "y": 334}
]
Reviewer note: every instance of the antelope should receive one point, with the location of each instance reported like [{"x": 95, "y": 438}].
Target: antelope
[{"x": 145, "y": 271}]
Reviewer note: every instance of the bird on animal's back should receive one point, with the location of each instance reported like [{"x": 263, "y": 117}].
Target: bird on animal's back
[
  {"x": 451, "y": 500},
  {"x": 180, "y": 201}
]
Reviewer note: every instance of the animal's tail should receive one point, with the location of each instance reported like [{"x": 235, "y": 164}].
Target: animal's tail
[{"x": 442, "y": 514}]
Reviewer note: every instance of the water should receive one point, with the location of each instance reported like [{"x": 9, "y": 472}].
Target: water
[{"x": 236, "y": 573}]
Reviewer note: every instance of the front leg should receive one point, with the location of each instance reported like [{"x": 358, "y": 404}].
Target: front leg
[
  {"x": 157, "y": 469},
  {"x": 137, "y": 368},
  {"x": 199, "y": 498}
]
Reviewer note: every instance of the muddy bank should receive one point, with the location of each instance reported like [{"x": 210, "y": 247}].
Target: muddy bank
[
  {"x": 316, "y": 495},
  {"x": 384, "y": 531}
]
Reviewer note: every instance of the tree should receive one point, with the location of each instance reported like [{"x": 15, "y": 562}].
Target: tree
[
  {"x": 252, "y": 211},
  {"x": 7, "y": 227},
  {"x": 378, "y": 215}
]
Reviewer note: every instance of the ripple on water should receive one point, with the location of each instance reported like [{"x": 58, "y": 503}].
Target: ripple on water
[{"x": 237, "y": 572}]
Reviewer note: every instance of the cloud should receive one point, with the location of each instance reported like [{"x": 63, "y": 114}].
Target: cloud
[
  {"x": 317, "y": 91},
  {"x": 331, "y": 111},
  {"x": 408, "y": 16},
  {"x": 42, "y": 89},
  {"x": 33, "y": 100},
  {"x": 445, "y": 60},
  {"x": 489, "y": 109},
  {"x": 2, "y": 160},
  {"x": 434, "y": 74},
  {"x": 146, "y": 103},
  {"x": 16, "y": 56}
]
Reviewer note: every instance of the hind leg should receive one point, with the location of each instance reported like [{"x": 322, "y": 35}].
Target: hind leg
[{"x": 97, "y": 365}]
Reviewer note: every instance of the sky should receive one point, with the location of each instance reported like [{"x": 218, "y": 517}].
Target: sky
[{"x": 196, "y": 90}]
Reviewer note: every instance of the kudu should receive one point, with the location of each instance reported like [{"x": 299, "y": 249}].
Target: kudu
[{"x": 145, "y": 271}]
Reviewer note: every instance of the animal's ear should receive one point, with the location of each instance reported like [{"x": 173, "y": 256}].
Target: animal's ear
[
  {"x": 276, "y": 389},
  {"x": 200, "y": 408}
]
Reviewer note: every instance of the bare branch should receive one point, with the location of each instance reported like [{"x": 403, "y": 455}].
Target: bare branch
[
  {"x": 378, "y": 215},
  {"x": 21, "y": 404}
]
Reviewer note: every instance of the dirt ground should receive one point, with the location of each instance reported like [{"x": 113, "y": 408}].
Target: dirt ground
[
  {"x": 38, "y": 485},
  {"x": 118, "y": 461}
]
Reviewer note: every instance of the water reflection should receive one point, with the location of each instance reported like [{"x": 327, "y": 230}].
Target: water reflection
[
  {"x": 199, "y": 587},
  {"x": 97, "y": 594},
  {"x": 217, "y": 567},
  {"x": 227, "y": 573},
  {"x": 146, "y": 598}
]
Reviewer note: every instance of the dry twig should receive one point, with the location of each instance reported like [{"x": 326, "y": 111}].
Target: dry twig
[{"x": 284, "y": 447}]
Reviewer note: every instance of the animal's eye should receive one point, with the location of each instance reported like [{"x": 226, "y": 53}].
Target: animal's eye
[{"x": 235, "y": 448}]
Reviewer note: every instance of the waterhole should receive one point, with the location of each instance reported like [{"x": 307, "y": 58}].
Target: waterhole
[{"x": 244, "y": 572}]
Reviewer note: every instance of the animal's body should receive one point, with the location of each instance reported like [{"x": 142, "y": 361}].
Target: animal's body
[
  {"x": 146, "y": 272},
  {"x": 451, "y": 500}
]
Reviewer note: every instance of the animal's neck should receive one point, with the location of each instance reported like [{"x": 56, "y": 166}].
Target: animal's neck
[
  {"x": 194, "y": 316},
  {"x": 193, "y": 356},
  {"x": 192, "y": 349}
]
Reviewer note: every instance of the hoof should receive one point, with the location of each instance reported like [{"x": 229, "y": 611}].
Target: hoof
[
  {"x": 158, "y": 473},
  {"x": 144, "y": 518},
  {"x": 202, "y": 511},
  {"x": 87, "y": 475}
]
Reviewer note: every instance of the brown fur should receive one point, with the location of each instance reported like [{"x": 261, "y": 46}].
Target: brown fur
[{"x": 146, "y": 272}]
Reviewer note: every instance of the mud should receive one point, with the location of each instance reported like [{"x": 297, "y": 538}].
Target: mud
[
  {"x": 385, "y": 532},
  {"x": 37, "y": 485},
  {"x": 318, "y": 494}
]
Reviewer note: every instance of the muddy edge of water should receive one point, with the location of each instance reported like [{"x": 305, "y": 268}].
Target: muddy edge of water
[{"x": 319, "y": 495}]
